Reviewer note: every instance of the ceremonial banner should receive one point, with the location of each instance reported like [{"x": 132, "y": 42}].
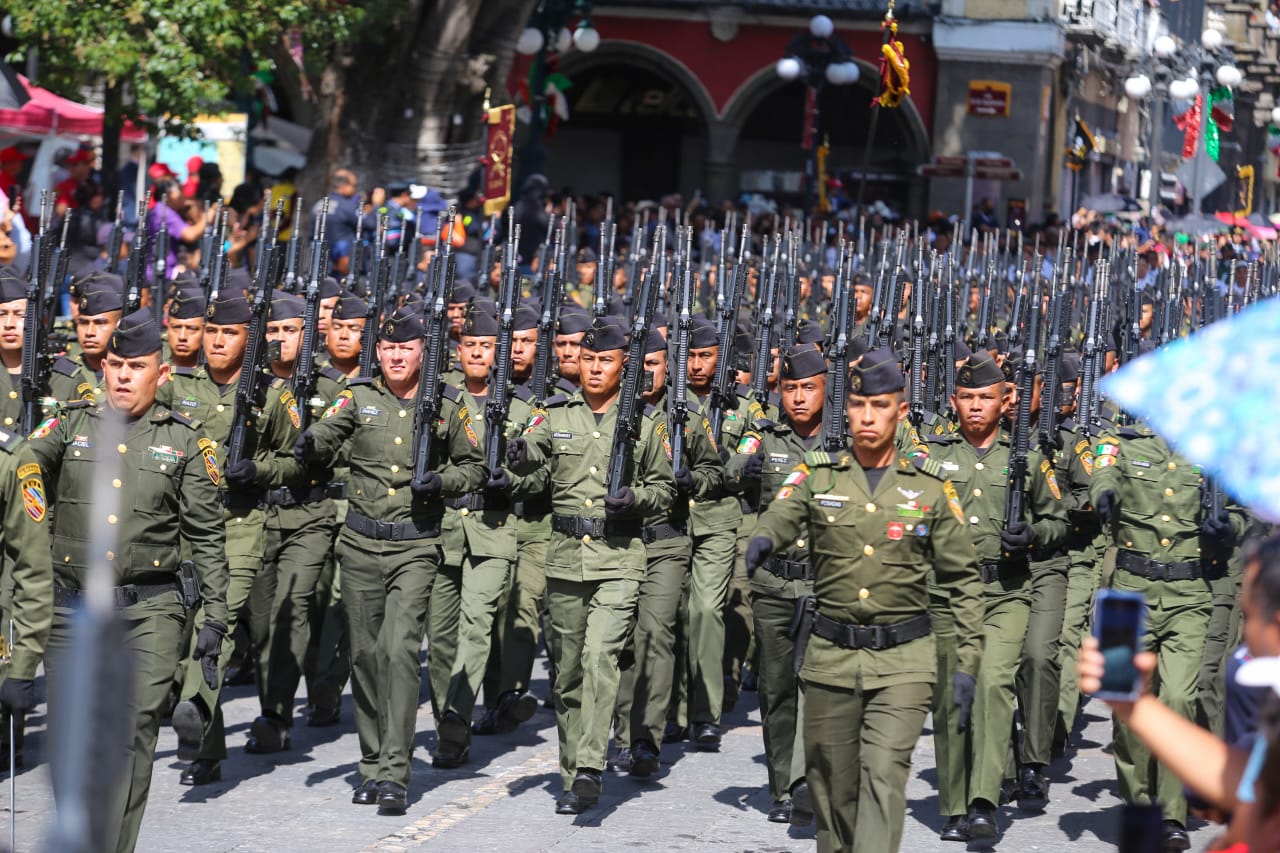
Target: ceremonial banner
[{"x": 501, "y": 126}]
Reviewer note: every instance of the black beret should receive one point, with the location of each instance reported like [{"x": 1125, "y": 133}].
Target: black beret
[
  {"x": 573, "y": 321},
  {"x": 962, "y": 350},
  {"x": 185, "y": 277},
  {"x": 803, "y": 361},
  {"x": 482, "y": 303},
  {"x": 415, "y": 301},
  {"x": 604, "y": 336},
  {"x": 979, "y": 371},
  {"x": 809, "y": 332},
  {"x": 229, "y": 310},
  {"x": 587, "y": 255},
  {"x": 94, "y": 302},
  {"x": 526, "y": 318},
  {"x": 662, "y": 321},
  {"x": 13, "y": 285},
  {"x": 238, "y": 281},
  {"x": 187, "y": 304},
  {"x": 135, "y": 335},
  {"x": 329, "y": 287},
  {"x": 1001, "y": 341},
  {"x": 703, "y": 334},
  {"x": 655, "y": 342},
  {"x": 857, "y": 348},
  {"x": 479, "y": 322},
  {"x": 350, "y": 307},
  {"x": 877, "y": 373},
  {"x": 463, "y": 291},
  {"x": 287, "y": 306},
  {"x": 97, "y": 280},
  {"x": 402, "y": 326}
]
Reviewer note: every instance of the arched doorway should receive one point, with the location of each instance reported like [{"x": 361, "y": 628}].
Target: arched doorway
[{"x": 637, "y": 125}]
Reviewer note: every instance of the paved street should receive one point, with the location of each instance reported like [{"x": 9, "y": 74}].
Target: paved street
[{"x": 300, "y": 800}]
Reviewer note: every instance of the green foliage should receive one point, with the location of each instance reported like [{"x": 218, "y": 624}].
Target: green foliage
[{"x": 177, "y": 59}]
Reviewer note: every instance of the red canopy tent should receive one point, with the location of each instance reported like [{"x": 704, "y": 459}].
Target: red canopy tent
[{"x": 47, "y": 113}]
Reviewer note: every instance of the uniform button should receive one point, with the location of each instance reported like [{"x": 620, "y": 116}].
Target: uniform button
[
  {"x": 871, "y": 507},
  {"x": 1128, "y": 544},
  {"x": 979, "y": 466},
  {"x": 399, "y": 440},
  {"x": 67, "y": 558},
  {"x": 864, "y": 593},
  {"x": 116, "y": 483},
  {"x": 593, "y": 469},
  {"x": 1164, "y": 543},
  {"x": 831, "y": 519},
  {"x": 220, "y": 408},
  {"x": 799, "y": 543},
  {"x": 8, "y": 421},
  {"x": 213, "y": 444},
  {"x": 595, "y": 433},
  {"x": 111, "y": 519},
  {"x": 1165, "y": 518},
  {"x": 395, "y": 469},
  {"x": 403, "y": 413},
  {"x": 76, "y": 453},
  {"x": 164, "y": 467},
  {"x": 122, "y": 448},
  {"x": 973, "y": 519},
  {"x": 588, "y": 502},
  {"x": 391, "y": 491},
  {"x": 977, "y": 493},
  {"x": 1173, "y": 466},
  {"x": 13, "y": 395},
  {"x": 155, "y": 563},
  {"x": 464, "y": 512},
  {"x": 692, "y": 503},
  {"x": 1168, "y": 493},
  {"x": 111, "y": 555},
  {"x": 586, "y": 539},
  {"x": 868, "y": 550}
]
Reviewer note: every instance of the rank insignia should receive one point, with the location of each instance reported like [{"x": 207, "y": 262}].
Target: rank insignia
[
  {"x": 33, "y": 498},
  {"x": 895, "y": 531}
]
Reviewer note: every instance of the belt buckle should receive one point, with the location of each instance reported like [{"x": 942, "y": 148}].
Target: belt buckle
[
  {"x": 599, "y": 528},
  {"x": 126, "y": 596},
  {"x": 383, "y": 529}
]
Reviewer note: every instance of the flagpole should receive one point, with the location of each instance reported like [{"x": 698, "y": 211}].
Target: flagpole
[{"x": 886, "y": 35}]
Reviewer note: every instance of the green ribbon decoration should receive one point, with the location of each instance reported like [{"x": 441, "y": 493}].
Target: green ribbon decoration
[{"x": 1222, "y": 93}]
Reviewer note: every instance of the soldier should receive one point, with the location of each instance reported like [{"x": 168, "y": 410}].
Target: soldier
[
  {"x": 167, "y": 485},
  {"x": 1148, "y": 500},
  {"x": 209, "y": 393},
  {"x": 101, "y": 305},
  {"x": 881, "y": 529},
  {"x": 572, "y": 325},
  {"x": 596, "y": 558},
  {"x": 186, "y": 328},
  {"x": 766, "y": 456},
  {"x": 389, "y": 547},
  {"x": 976, "y": 459},
  {"x": 13, "y": 315}
]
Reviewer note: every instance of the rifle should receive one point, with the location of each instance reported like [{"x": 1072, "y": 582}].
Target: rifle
[
  {"x": 916, "y": 379},
  {"x": 933, "y": 347},
  {"x": 764, "y": 329},
  {"x": 41, "y": 295},
  {"x": 290, "y": 282},
  {"x": 1094, "y": 348},
  {"x": 1015, "y": 493},
  {"x": 626, "y": 431},
  {"x": 206, "y": 243},
  {"x": 679, "y": 409},
  {"x": 486, "y": 256},
  {"x": 540, "y": 381},
  {"x": 249, "y": 386},
  {"x": 498, "y": 406},
  {"x": 791, "y": 295},
  {"x": 1133, "y": 313},
  {"x": 303, "y": 382},
  {"x": 604, "y": 270},
  {"x": 723, "y": 396},
  {"x": 352, "y": 281},
  {"x": 949, "y": 342},
  {"x": 116, "y": 241},
  {"x": 136, "y": 275},
  {"x": 217, "y": 262},
  {"x": 889, "y": 312},
  {"x": 426, "y": 409},
  {"x": 373, "y": 309},
  {"x": 834, "y": 433},
  {"x": 1050, "y": 403}
]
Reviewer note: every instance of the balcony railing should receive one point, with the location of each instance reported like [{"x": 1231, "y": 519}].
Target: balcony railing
[{"x": 1118, "y": 22}]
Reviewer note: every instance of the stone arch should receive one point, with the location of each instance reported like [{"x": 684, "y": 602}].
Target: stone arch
[{"x": 647, "y": 57}]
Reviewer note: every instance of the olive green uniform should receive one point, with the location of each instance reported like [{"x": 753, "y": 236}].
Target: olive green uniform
[
  {"x": 10, "y": 400},
  {"x": 1161, "y": 555},
  {"x": 594, "y": 564},
  {"x": 971, "y": 766},
  {"x": 389, "y": 550},
  {"x": 165, "y": 477},
  {"x": 71, "y": 379},
  {"x": 865, "y": 705}
]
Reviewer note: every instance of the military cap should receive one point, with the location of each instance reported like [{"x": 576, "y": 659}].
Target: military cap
[
  {"x": 402, "y": 326},
  {"x": 1146, "y": 297},
  {"x": 702, "y": 334},
  {"x": 809, "y": 332},
  {"x": 238, "y": 281},
  {"x": 604, "y": 336},
  {"x": 962, "y": 350},
  {"x": 329, "y": 287},
  {"x": 287, "y": 306},
  {"x": 803, "y": 361},
  {"x": 526, "y": 318},
  {"x": 183, "y": 277},
  {"x": 1000, "y": 341},
  {"x": 350, "y": 307},
  {"x": 483, "y": 303},
  {"x": 479, "y": 322},
  {"x": 573, "y": 321},
  {"x": 13, "y": 285},
  {"x": 229, "y": 310},
  {"x": 617, "y": 306},
  {"x": 587, "y": 255},
  {"x": 187, "y": 304},
  {"x": 96, "y": 280},
  {"x": 662, "y": 321},
  {"x": 135, "y": 335},
  {"x": 979, "y": 371},
  {"x": 743, "y": 349},
  {"x": 877, "y": 373},
  {"x": 415, "y": 301},
  {"x": 95, "y": 302},
  {"x": 857, "y": 348},
  {"x": 655, "y": 342},
  {"x": 463, "y": 291},
  {"x": 861, "y": 280}
]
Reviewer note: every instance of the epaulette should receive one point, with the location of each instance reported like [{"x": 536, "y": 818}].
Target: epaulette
[
  {"x": 72, "y": 405},
  {"x": 331, "y": 372},
  {"x": 929, "y": 466},
  {"x": 694, "y": 407},
  {"x": 522, "y": 393},
  {"x": 452, "y": 393},
  {"x": 820, "y": 459},
  {"x": 566, "y": 386},
  {"x": 944, "y": 438},
  {"x": 649, "y": 410},
  {"x": 1132, "y": 432},
  {"x": 361, "y": 380},
  {"x": 762, "y": 424},
  {"x": 185, "y": 371},
  {"x": 65, "y": 366},
  {"x": 556, "y": 400},
  {"x": 9, "y": 441},
  {"x": 179, "y": 418},
  {"x": 744, "y": 391},
  {"x": 277, "y": 383}
]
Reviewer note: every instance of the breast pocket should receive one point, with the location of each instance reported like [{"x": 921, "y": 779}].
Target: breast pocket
[
  {"x": 833, "y": 525},
  {"x": 568, "y": 464},
  {"x": 153, "y": 488},
  {"x": 372, "y": 436}
]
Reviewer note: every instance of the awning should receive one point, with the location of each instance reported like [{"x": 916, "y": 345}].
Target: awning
[{"x": 46, "y": 113}]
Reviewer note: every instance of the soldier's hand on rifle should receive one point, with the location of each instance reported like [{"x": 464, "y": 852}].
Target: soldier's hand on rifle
[
  {"x": 1218, "y": 529},
  {"x": 304, "y": 447},
  {"x": 754, "y": 467},
  {"x": 1107, "y": 505},
  {"x": 963, "y": 688},
  {"x": 18, "y": 694},
  {"x": 684, "y": 479},
  {"x": 517, "y": 452},
  {"x": 757, "y": 550},
  {"x": 429, "y": 486},
  {"x": 499, "y": 481},
  {"x": 242, "y": 473},
  {"x": 1017, "y": 537},
  {"x": 620, "y": 503},
  {"x": 208, "y": 647}
]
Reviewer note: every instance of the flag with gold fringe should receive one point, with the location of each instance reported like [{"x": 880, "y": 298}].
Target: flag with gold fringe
[{"x": 895, "y": 70}]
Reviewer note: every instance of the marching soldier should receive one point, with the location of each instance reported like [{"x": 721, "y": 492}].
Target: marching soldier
[
  {"x": 570, "y": 328},
  {"x": 186, "y": 328},
  {"x": 596, "y": 559},
  {"x": 881, "y": 529},
  {"x": 101, "y": 304},
  {"x": 167, "y": 484},
  {"x": 389, "y": 548},
  {"x": 13, "y": 315}
]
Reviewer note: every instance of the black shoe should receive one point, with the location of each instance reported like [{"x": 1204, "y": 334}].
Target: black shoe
[
  {"x": 801, "y": 804},
  {"x": 750, "y": 681},
  {"x": 706, "y": 736},
  {"x": 674, "y": 734},
  {"x": 644, "y": 760},
  {"x": 487, "y": 724},
  {"x": 1175, "y": 836},
  {"x": 318, "y": 717},
  {"x": 202, "y": 771},
  {"x": 982, "y": 820},
  {"x": 516, "y": 708},
  {"x": 1008, "y": 791},
  {"x": 956, "y": 828},
  {"x": 621, "y": 761},
  {"x": 1033, "y": 790},
  {"x": 392, "y": 798},
  {"x": 189, "y": 724},
  {"x": 267, "y": 735},
  {"x": 366, "y": 794},
  {"x": 586, "y": 787},
  {"x": 781, "y": 812},
  {"x": 454, "y": 747},
  {"x": 568, "y": 803}
]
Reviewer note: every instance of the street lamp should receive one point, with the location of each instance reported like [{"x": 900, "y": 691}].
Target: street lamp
[
  {"x": 821, "y": 58},
  {"x": 545, "y": 39}
]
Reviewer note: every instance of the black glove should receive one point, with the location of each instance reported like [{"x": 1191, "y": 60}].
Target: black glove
[
  {"x": 499, "y": 481},
  {"x": 429, "y": 486},
  {"x": 18, "y": 695},
  {"x": 1107, "y": 505},
  {"x": 684, "y": 479},
  {"x": 242, "y": 473},
  {"x": 517, "y": 452},
  {"x": 757, "y": 549},
  {"x": 620, "y": 503},
  {"x": 754, "y": 468},
  {"x": 1017, "y": 537},
  {"x": 304, "y": 446},
  {"x": 208, "y": 647},
  {"x": 1218, "y": 529},
  {"x": 963, "y": 688}
]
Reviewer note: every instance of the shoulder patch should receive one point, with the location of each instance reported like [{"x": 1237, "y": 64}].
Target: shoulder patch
[
  {"x": 953, "y": 500},
  {"x": 210, "y": 456},
  {"x": 290, "y": 404},
  {"x": 85, "y": 390},
  {"x": 660, "y": 427},
  {"x": 928, "y": 466},
  {"x": 33, "y": 498},
  {"x": 31, "y": 469},
  {"x": 341, "y": 402},
  {"x": 1046, "y": 468},
  {"x": 43, "y": 428}
]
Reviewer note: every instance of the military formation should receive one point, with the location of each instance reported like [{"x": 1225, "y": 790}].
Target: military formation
[{"x": 869, "y": 476}]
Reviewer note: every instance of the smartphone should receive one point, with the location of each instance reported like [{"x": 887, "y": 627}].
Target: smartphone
[{"x": 1119, "y": 620}]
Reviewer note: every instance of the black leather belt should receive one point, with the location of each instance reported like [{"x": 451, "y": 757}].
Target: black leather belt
[
  {"x": 1132, "y": 561},
  {"x": 662, "y": 532},
  {"x": 992, "y": 572},
  {"x": 532, "y": 507},
  {"x": 298, "y": 495},
  {"x": 125, "y": 596},
  {"x": 479, "y": 501},
  {"x": 597, "y": 528},
  {"x": 789, "y": 570},
  {"x": 746, "y": 506},
  {"x": 239, "y": 500},
  {"x": 396, "y": 531},
  {"x": 874, "y": 637}
]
